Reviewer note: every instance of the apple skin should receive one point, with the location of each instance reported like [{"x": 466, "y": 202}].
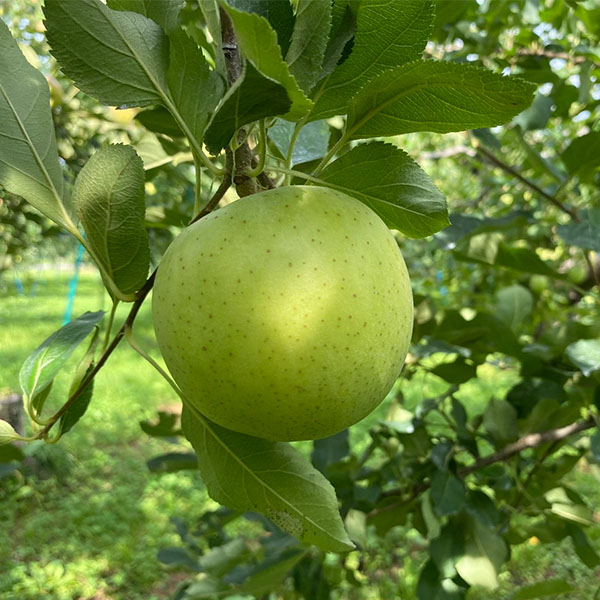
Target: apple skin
[{"x": 286, "y": 315}]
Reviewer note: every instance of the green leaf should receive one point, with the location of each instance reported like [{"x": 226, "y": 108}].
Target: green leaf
[
  {"x": 210, "y": 11},
  {"x": 447, "y": 493},
  {"x": 268, "y": 577},
  {"x": 500, "y": 421},
  {"x": 7, "y": 433},
  {"x": 431, "y": 586},
  {"x": 109, "y": 199},
  {"x": 279, "y": 14},
  {"x": 29, "y": 164},
  {"x": 220, "y": 559},
  {"x": 388, "y": 34},
  {"x": 163, "y": 12},
  {"x": 562, "y": 505},
  {"x": 172, "y": 462},
  {"x": 585, "y": 234},
  {"x": 582, "y": 156},
  {"x": 514, "y": 306},
  {"x": 311, "y": 142},
  {"x": 195, "y": 89},
  {"x": 309, "y": 40},
  {"x": 435, "y": 96},
  {"x": 389, "y": 182},
  {"x": 247, "y": 473},
  {"x": 166, "y": 427},
  {"x": 250, "y": 98},
  {"x": 524, "y": 260},
  {"x": 177, "y": 557},
  {"x": 258, "y": 43},
  {"x": 446, "y": 549},
  {"x": 330, "y": 450},
  {"x": 537, "y": 115},
  {"x": 585, "y": 355},
  {"x": 78, "y": 408},
  {"x": 42, "y": 366},
  {"x": 595, "y": 445},
  {"x": 456, "y": 372},
  {"x": 582, "y": 546},
  {"x": 485, "y": 551},
  {"x": 159, "y": 120},
  {"x": 549, "y": 587},
  {"x": 121, "y": 61},
  {"x": 343, "y": 28}
]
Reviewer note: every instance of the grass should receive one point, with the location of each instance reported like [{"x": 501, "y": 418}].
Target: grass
[{"x": 88, "y": 519}]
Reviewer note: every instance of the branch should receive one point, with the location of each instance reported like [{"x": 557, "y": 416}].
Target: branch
[
  {"x": 530, "y": 440},
  {"x": 137, "y": 304},
  {"x": 512, "y": 171}
]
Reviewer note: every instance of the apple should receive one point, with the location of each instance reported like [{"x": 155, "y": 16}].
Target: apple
[{"x": 285, "y": 315}]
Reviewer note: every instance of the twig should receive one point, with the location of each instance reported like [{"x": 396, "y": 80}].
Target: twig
[
  {"x": 530, "y": 440},
  {"x": 499, "y": 163},
  {"x": 137, "y": 304}
]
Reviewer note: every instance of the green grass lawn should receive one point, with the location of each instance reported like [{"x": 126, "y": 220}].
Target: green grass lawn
[{"x": 87, "y": 520}]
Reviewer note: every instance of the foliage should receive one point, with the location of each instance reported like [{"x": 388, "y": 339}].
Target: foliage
[{"x": 473, "y": 475}]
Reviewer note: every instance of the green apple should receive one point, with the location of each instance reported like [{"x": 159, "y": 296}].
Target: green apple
[
  {"x": 538, "y": 284},
  {"x": 285, "y": 315}
]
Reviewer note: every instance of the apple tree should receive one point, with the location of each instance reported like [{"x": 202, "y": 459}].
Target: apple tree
[{"x": 290, "y": 116}]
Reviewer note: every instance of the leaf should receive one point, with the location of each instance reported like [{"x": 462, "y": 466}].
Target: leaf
[
  {"x": 500, "y": 421},
  {"x": 195, "y": 89},
  {"x": 44, "y": 363},
  {"x": 485, "y": 551},
  {"x": 514, "y": 306},
  {"x": 163, "y": 12},
  {"x": 167, "y": 426},
  {"x": 523, "y": 259},
  {"x": 582, "y": 546},
  {"x": 250, "y": 98},
  {"x": 258, "y": 43},
  {"x": 309, "y": 40},
  {"x": 388, "y": 34},
  {"x": 389, "y": 182},
  {"x": 585, "y": 234},
  {"x": 330, "y": 450},
  {"x": 279, "y": 14},
  {"x": 121, "y": 61},
  {"x": 537, "y": 115},
  {"x": 210, "y": 11},
  {"x": 220, "y": 559},
  {"x": 585, "y": 355},
  {"x": 549, "y": 587},
  {"x": 109, "y": 198},
  {"x": 447, "y": 493},
  {"x": 595, "y": 445},
  {"x": 247, "y": 473},
  {"x": 456, "y": 372},
  {"x": 80, "y": 406},
  {"x": 7, "y": 433},
  {"x": 172, "y": 462},
  {"x": 311, "y": 142},
  {"x": 29, "y": 164},
  {"x": 267, "y": 577},
  {"x": 159, "y": 120},
  {"x": 446, "y": 549},
  {"x": 343, "y": 28},
  {"x": 431, "y": 586},
  {"x": 435, "y": 96},
  {"x": 582, "y": 156},
  {"x": 177, "y": 557}
]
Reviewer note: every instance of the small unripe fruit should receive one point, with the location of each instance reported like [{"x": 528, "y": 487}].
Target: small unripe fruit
[{"x": 286, "y": 315}]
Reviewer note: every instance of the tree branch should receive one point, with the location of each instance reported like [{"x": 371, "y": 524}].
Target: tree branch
[
  {"x": 536, "y": 188},
  {"x": 530, "y": 440}
]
